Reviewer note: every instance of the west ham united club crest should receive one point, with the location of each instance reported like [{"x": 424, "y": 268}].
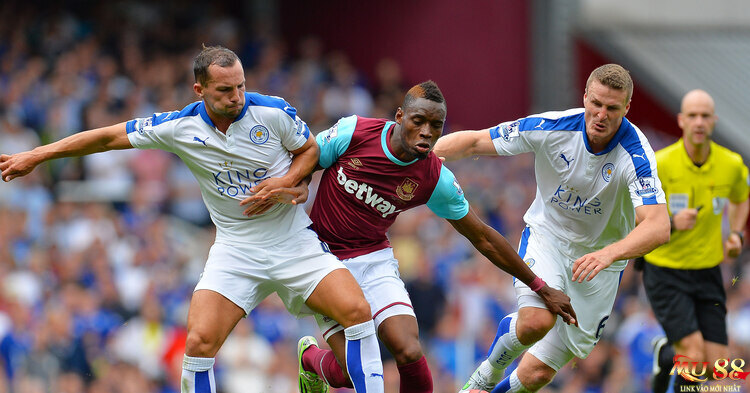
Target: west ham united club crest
[
  {"x": 405, "y": 191},
  {"x": 259, "y": 134}
]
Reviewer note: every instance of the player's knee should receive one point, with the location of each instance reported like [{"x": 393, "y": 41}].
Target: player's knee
[
  {"x": 355, "y": 312},
  {"x": 693, "y": 350},
  {"x": 407, "y": 352},
  {"x": 537, "y": 378},
  {"x": 200, "y": 344},
  {"x": 534, "y": 329}
]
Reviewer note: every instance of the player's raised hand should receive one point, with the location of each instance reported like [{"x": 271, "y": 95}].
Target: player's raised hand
[
  {"x": 558, "y": 303},
  {"x": 17, "y": 165},
  {"x": 589, "y": 265}
]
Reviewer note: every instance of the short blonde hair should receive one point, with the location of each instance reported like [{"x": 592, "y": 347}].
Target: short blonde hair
[{"x": 613, "y": 76}]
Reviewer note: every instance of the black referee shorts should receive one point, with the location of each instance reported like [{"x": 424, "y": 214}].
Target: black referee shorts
[{"x": 685, "y": 301}]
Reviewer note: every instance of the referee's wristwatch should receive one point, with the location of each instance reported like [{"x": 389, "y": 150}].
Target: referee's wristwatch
[{"x": 741, "y": 235}]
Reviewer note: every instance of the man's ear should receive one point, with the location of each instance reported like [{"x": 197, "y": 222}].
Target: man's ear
[{"x": 399, "y": 115}]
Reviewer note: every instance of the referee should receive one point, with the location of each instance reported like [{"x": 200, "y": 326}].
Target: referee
[{"x": 682, "y": 278}]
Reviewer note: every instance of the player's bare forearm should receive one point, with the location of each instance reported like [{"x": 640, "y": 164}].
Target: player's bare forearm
[
  {"x": 270, "y": 192},
  {"x": 83, "y": 143},
  {"x": 493, "y": 246},
  {"x": 651, "y": 232},
  {"x": 462, "y": 144},
  {"x": 304, "y": 162}
]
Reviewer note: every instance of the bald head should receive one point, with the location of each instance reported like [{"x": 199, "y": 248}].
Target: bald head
[
  {"x": 697, "y": 97},
  {"x": 697, "y": 118}
]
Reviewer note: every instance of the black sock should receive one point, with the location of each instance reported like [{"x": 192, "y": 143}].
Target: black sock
[{"x": 666, "y": 356}]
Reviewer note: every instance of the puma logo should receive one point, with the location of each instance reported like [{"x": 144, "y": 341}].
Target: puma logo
[{"x": 567, "y": 162}]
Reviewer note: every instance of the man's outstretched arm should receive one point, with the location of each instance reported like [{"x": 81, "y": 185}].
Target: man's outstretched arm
[
  {"x": 462, "y": 144},
  {"x": 494, "y": 246},
  {"x": 113, "y": 137}
]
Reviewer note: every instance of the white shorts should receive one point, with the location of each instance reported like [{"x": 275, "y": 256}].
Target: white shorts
[
  {"x": 247, "y": 274},
  {"x": 591, "y": 300},
  {"x": 377, "y": 274}
]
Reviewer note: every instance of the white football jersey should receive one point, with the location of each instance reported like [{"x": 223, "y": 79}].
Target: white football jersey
[
  {"x": 255, "y": 147},
  {"x": 584, "y": 201}
]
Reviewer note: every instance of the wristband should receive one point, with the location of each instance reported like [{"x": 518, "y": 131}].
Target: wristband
[
  {"x": 537, "y": 284},
  {"x": 741, "y": 236}
]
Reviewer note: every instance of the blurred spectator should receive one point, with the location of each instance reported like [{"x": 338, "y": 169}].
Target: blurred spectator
[
  {"x": 345, "y": 96},
  {"x": 427, "y": 297},
  {"x": 143, "y": 340},
  {"x": 244, "y": 357}
]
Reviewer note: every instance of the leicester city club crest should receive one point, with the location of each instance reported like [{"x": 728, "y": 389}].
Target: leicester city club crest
[
  {"x": 259, "y": 134},
  {"x": 607, "y": 170}
]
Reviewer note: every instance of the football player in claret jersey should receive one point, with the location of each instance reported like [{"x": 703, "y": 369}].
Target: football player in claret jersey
[
  {"x": 596, "y": 179},
  {"x": 231, "y": 141},
  {"x": 374, "y": 170}
]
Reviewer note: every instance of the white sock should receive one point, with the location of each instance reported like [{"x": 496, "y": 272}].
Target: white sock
[
  {"x": 197, "y": 375},
  {"x": 515, "y": 384},
  {"x": 363, "y": 358},
  {"x": 504, "y": 349}
]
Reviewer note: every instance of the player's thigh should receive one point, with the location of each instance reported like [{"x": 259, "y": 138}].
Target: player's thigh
[
  {"x": 308, "y": 277},
  {"x": 211, "y": 318},
  {"x": 339, "y": 297},
  {"x": 378, "y": 276}
]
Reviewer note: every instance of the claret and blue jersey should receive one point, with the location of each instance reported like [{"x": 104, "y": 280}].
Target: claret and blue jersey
[
  {"x": 364, "y": 187},
  {"x": 585, "y": 200},
  {"x": 255, "y": 147}
]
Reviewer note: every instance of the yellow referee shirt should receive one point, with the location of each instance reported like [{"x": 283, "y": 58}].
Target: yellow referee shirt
[{"x": 723, "y": 177}]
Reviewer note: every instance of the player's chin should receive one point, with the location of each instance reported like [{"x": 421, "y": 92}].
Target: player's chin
[
  {"x": 422, "y": 156},
  {"x": 422, "y": 151},
  {"x": 233, "y": 111}
]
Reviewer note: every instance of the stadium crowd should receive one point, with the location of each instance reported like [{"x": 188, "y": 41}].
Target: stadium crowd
[{"x": 99, "y": 256}]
